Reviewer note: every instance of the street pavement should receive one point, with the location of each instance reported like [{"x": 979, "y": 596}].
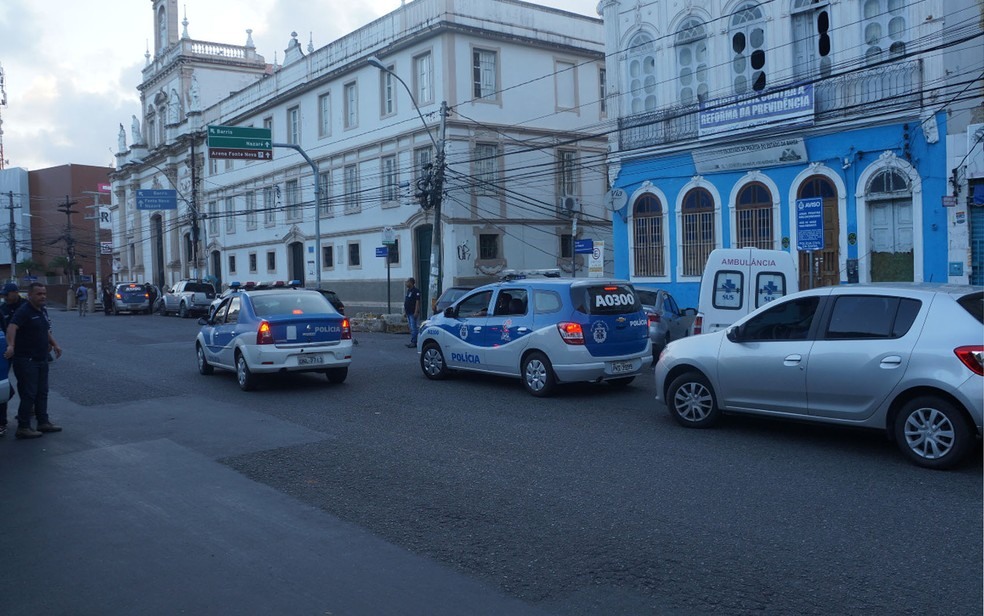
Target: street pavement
[{"x": 128, "y": 511}]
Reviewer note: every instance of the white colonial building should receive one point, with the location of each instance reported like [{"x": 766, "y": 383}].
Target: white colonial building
[{"x": 524, "y": 142}]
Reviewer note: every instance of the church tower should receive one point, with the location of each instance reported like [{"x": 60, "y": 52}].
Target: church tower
[{"x": 165, "y": 24}]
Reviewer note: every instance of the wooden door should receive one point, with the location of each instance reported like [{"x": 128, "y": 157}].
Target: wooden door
[{"x": 826, "y": 262}]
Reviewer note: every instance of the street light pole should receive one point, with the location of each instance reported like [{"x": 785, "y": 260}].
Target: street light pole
[
  {"x": 317, "y": 207},
  {"x": 435, "y": 197}
]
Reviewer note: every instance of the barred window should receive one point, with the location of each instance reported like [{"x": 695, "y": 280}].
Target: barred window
[
  {"x": 324, "y": 115},
  {"x": 698, "y": 230},
  {"x": 488, "y": 246},
  {"x": 324, "y": 185},
  {"x": 649, "y": 244},
  {"x": 270, "y": 205},
  {"x": 250, "y": 210},
  {"x": 293, "y": 209},
  {"x": 753, "y": 213},
  {"x": 485, "y": 169},
  {"x": 213, "y": 218},
  {"x": 294, "y": 125},
  {"x": 567, "y": 173},
  {"x": 390, "y": 181},
  {"x": 423, "y": 81},
  {"x": 230, "y": 215},
  {"x": 351, "y": 188}
]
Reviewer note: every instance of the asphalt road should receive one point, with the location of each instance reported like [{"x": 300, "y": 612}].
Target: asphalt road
[{"x": 392, "y": 494}]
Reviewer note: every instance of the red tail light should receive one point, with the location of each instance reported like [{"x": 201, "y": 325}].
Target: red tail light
[
  {"x": 264, "y": 335},
  {"x": 652, "y": 317},
  {"x": 698, "y": 324},
  {"x": 571, "y": 333},
  {"x": 972, "y": 357},
  {"x": 346, "y": 330}
]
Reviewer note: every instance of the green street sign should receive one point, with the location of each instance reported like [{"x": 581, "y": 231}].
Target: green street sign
[{"x": 240, "y": 142}]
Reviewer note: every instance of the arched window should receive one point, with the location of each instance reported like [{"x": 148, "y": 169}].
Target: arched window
[
  {"x": 698, "y": 230},
  {"x": 691, "y": 54},
  {"x": 883, "y": 24},
  {"x": 887, "y": 184},
  {"x": 748, "y": 49},
  {"x": 642, "y": 74},
  {"x": 753, "y": 214},
  {"x": 647, "y": 224},
  {"x": 811, "y": 38}
]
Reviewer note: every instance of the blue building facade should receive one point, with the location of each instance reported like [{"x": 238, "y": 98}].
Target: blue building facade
[{"x": 735, "y": 116}]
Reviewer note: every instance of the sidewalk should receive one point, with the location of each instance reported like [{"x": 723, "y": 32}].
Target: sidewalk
[{"x": 131, "y": 511}]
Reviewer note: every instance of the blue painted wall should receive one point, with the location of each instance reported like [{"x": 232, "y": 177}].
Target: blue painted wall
[{"x": 862, "y": 146}]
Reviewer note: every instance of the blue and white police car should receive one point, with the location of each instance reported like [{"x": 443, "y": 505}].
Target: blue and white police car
[
  {"x": 546, "y": 331},
  {"x": 253, "y": 332}
]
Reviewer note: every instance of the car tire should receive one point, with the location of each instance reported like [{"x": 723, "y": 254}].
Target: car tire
[
  {"x": 621, "y": 381},
  {"x": 691, "y": 401},
  {"x": 933, "y": 433},
  {"x": 337, "y": 375},
  {"x": 538, "y": 376},
  {"x": 183, "y": 311},
  {"x": 247, "y": 380},
  {"x": 432, "y": 362},
  {"x": 203, "y": 366}
]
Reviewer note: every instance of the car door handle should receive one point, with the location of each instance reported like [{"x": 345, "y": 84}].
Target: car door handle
[
  {"x": 522, "y": 330},
  {"x": 892, "y": 361},
  {"x": 477, "y": 329},
  {"x": 792, "y": 360}
]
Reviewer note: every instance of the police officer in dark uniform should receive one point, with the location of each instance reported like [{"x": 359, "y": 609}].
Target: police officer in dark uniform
[{"x": 29, "y": 342}]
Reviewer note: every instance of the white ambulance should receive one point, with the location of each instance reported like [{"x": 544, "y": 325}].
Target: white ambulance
[{"x": 736, "y": 281}]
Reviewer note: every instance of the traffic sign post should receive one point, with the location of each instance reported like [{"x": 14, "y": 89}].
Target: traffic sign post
[
  {"x": 383, "y": 251},
  {"x": 583, "y": 247},
  {"x": 240, "y": 142}
]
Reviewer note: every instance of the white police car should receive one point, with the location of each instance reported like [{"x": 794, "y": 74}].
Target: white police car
[{"x": 546, "y": 331}]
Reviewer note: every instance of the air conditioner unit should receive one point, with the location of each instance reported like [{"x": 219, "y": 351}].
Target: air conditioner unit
[{"x": 568, "y": 205}]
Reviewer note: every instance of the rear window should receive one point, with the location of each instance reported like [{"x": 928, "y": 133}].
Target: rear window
[
  {"x": 606, "y": 299},
  {"x": 974, "y": 304},
  {"x": 728, "y": 290},
  {"x": 646, "y": 297},
  {"x": 128, "y": 290},
  {"x": 769, "y": 286},
  {"x": 199, "y": 287},
  {"x": 290, "y": 303},
  {"x": 872, "y": 316}
]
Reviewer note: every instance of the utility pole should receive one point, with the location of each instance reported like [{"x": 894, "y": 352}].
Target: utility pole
[
  {"x": 13, "y": 238},
  {"x": 194, "y": 210},
  {"x": 69, "y": 240},
  {"x": 97, "y": 220},
  {"x": 436, "y": 197}
]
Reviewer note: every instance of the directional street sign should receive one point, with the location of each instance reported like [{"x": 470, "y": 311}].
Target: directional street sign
[
  {"x": 382, "y": 251},
  {"x": 164, "y": 199},
  {"x": 240, "y": 142},
  {"x": 809, "y": 224},
  {"x": 583, "y": 247}
]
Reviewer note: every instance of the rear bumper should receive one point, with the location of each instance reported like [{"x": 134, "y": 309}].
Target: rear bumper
[
  {"x": 269, "y": 358},
  {"x": 598, "y": 369}
]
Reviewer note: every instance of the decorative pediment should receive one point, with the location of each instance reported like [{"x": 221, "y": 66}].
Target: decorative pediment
[{"x": 293, "y": 235}]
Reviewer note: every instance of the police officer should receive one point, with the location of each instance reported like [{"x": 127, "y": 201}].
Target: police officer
[{"x": 29, "y": 342}]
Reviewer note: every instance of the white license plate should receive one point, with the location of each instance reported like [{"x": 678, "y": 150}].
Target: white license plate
[
  {"x": 622, "y": 366},
  {"x": 308, "y": 360}
]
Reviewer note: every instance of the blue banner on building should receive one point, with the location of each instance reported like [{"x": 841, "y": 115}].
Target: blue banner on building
[{"x": 777, "y": 108}]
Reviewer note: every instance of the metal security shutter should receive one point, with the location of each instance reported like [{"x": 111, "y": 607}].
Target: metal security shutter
[{"x": 977, "y": 234}]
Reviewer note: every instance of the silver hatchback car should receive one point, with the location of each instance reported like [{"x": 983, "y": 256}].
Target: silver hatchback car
[{"x": 906, "y": 358}]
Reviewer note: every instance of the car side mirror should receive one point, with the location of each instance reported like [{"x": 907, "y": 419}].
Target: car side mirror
[
  {"x": 449, "y": 312},
  {"x": 203, "y": 321},
  {"x": 734, "y": 333},
  {"x": 689, "y": 312}
]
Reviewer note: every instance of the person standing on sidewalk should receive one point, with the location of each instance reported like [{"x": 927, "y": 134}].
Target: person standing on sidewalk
[
  {"x": 29, "y": 342},
  {"x": 411, "y": 307},
  {"x": 82, "y": 297},
  {"x": 11, "y": 302}
]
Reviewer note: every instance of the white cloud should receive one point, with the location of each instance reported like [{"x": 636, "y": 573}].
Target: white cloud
[{"x": 72, "y": 68}]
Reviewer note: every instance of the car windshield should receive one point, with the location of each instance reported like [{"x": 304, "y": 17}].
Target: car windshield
[
  {"x": 290, "y": 303},
  {"x": 606, "y": 299}
]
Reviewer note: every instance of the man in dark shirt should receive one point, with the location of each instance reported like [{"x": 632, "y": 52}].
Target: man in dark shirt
[
  {"x": 411, "y": 307},
  {"x": 29, "y": 341},
  {"x": 11, "y": 302}
]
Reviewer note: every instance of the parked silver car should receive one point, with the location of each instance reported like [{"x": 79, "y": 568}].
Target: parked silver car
[
  {"x": 905, "y": 358},
  {"x": 187, "y": 297},
  {"x": 667, "y": 321}
]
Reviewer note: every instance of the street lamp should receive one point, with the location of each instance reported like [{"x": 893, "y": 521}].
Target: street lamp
[
  {"x": 195, "y": 215},
  {"x": 437, "y": 185}
]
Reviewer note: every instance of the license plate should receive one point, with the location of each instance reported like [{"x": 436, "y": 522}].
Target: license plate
[
  {"x": 622, "y": 366},
  {"x": 308, "y": 360}
]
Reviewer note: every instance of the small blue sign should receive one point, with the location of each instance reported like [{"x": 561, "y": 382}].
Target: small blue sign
[
  {"x": 583, "y": 247},
  {"x": 164, "y": 199},
  {"x": 809, "y": 224},
  {"x": 382, "y": 251}
]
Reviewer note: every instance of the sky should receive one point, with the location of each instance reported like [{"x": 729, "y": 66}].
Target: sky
[{"x": 71, "y": 68}]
